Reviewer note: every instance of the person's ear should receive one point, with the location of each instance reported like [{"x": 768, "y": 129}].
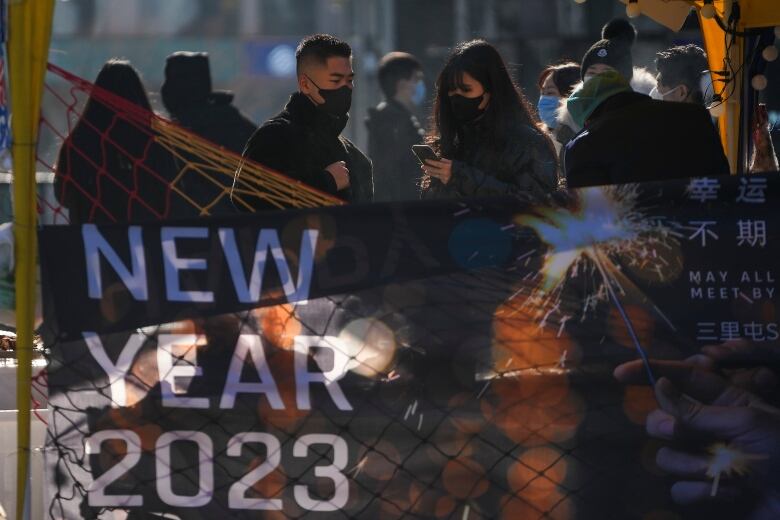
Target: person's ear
[
  {"x": 685, "y": 92},
  {"x": 304, "y": 85}
]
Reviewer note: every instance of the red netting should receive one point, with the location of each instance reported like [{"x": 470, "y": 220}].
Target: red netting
[{"x": 115, "y": 161}]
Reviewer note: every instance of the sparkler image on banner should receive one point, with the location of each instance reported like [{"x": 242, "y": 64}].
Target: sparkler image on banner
[{"x": 601, "y": 230}]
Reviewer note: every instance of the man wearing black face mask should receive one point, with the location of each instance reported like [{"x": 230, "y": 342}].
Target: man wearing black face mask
[{"x": 304, "y": 141}]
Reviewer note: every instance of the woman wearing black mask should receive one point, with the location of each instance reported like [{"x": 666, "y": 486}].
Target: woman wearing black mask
[{"x": 484, "y": 131}]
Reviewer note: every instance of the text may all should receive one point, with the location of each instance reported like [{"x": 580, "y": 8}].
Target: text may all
[{"x": 723, "y": 285}]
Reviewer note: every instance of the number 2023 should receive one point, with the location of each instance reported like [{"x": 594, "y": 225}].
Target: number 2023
[{"x": 237, "y": 498}]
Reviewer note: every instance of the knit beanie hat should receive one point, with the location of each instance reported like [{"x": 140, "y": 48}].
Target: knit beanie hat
[{"x": 614, "y": 49}]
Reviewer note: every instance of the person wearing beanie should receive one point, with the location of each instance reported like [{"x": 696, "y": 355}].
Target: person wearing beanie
[
  {"x": 629, "y": 137},
  {"x": 191, "y": 103},
  {"x": 611, "y": 52}
]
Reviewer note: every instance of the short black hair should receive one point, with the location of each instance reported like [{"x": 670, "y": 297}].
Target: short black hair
[
  {"x": 318, "y": 48},
  {"x": 394, "y": 67},
  {"x": 682, "y": 65}
]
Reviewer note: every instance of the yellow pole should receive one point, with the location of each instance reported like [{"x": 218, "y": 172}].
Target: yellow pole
[
  {"x": 734, "y": 108},
  {"x": 29, "y": 32},
  {"x": 715, "y": 43}
]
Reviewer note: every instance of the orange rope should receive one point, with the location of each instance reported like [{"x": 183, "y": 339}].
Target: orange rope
[{"x": 213, "y": 164}]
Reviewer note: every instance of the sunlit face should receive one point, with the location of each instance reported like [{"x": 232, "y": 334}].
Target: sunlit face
[
  {"x": 599, "y": 68},
  {"x": 335, "y": 73},
  {"x": 471, "y": 89},
  {"x": 549, "y": 88}
]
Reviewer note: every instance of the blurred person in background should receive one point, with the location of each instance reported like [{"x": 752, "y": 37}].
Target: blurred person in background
[
  {"x": 191, "y": 103},
  {"x": 683, "y": 75},
  {"x": 304, "y": 140},
  {"x": 556, "y": 82},
  {"x": 109, "y": 168},
  {"x": 484, "y": 132},
  {"x": 394, "y": 129}
]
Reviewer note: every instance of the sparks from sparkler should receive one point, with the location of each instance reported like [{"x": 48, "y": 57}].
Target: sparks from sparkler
[
  {"x": 724, "y": 460},
  {"x": 603, "y": 225},
  {"x": 357, "y": 468}
]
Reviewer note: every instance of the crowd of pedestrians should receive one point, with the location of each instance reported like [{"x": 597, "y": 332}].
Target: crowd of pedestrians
[{"x": 602, "y": 120}]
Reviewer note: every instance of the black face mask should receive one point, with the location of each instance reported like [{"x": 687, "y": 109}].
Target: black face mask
[
  {"x": 337, "y": 101},
  {"x": 466, "y": 109}
]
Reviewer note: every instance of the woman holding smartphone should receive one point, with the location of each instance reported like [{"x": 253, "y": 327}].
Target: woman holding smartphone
[{"x": 484, "y": 133}]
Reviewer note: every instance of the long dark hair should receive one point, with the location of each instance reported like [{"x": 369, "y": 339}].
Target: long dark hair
[
  {"x": 508, "y": 105},
  {"x": 117, "y": 77},
  {"x": 112, "y": 134}
]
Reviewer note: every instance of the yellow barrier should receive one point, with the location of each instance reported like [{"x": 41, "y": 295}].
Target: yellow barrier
[{"x": 28, "y": 46}]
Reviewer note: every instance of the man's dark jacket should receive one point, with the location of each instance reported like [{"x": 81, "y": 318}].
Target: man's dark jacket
[
  {"x": 392, "y": 131},
  {"x": 301, "y": 142},
  {"x": 633, "y": 138},
  {"x": 217, "y": 120}
]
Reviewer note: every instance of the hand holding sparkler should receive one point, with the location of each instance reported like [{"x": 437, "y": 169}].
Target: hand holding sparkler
[
  {"x": 700, "y": 405},
  {"x": 747, "y": 364}
]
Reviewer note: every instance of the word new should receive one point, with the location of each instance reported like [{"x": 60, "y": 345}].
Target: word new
[{"x": 248, "y": 290}]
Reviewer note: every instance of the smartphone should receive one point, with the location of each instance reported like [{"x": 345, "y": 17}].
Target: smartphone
[{"x": 424, "y": 152}]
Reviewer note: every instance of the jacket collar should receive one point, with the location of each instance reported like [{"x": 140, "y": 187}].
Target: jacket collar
[
  {"x": 616, "y": 102},
  {"x": 303, "y": 111}
]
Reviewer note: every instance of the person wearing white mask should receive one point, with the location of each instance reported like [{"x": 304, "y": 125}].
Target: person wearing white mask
[
  {"x": 394, "y": 129},
  {"x": 682, "y": 74}
]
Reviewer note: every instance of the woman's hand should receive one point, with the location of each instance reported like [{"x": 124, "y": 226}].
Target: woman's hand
[{"x": 441, "y": 169}]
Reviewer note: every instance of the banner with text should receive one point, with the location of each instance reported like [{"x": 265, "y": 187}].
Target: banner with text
[{"x": 423, "y": 360}]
